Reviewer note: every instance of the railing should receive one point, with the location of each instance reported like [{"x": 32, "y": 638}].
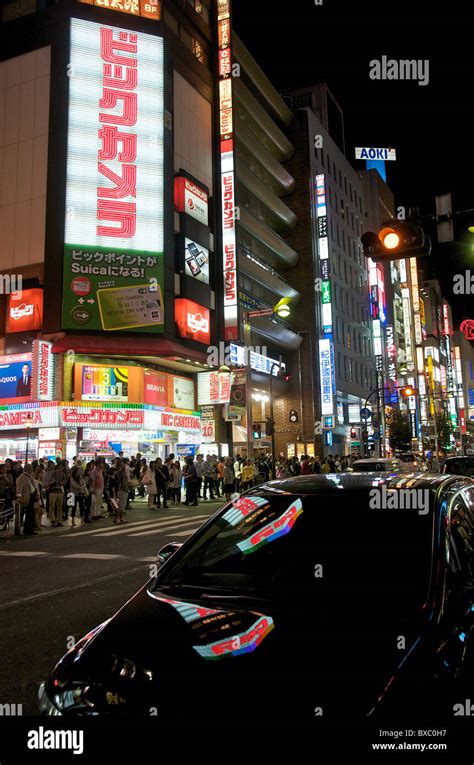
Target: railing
[{"x": 262, "y": 264}]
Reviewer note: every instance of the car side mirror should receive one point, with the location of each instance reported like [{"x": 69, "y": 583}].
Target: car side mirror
[{"x": 167, "y": 551}]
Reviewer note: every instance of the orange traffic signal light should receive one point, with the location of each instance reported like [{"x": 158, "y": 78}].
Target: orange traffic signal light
[
  {"x": 398, "y": 239},
  {"x": 407, "y": 391}
]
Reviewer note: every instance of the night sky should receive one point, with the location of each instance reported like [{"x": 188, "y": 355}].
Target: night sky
[{"x": 431, "y": 126}]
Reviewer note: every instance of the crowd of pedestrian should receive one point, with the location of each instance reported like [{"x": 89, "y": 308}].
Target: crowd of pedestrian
[{"x": 54, "y": 492}]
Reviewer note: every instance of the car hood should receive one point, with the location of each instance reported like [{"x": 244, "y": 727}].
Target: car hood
[{"x": 161, "y": 652}]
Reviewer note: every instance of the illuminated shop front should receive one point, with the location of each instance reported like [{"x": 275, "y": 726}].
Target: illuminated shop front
[{"x": 91, "y": 429}]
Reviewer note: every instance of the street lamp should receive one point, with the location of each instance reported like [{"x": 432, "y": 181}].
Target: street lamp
[{"x": 29, "y": 418}]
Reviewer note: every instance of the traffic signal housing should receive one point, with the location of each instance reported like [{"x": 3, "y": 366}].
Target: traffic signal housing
[
  {"x": 407, "y": 391},
  {"x": 353, "y": 432},
  {"x": 269, "y": 429},
  {"x": 396, "y": 241},
  {"x": 257, "y": 430}
]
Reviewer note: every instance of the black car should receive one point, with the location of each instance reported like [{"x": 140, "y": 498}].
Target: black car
[
  {"x": 327, "y": 595},
  {"x": 459, "y": 466}
]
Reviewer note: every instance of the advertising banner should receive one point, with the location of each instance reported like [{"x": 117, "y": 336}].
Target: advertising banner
[
  {"x": 25, "y": 311},
  {"x": 196, "y": 260},
  {"x": 191, "y": 199},
  {"x": 238, "y": 392},
  {"x": 149, "y": 9},
  {"x": 106, "y": 383},
  {"x": 42, "y": 371},
  {"x": 15, "y": 378},
  {"x": 182, "y": 393},
  {"x": 213, "y": 388},
  {"x": 113, "y": 255},
  {"x": 192, "y": 320},
  {"x": 156, "y": 389}
]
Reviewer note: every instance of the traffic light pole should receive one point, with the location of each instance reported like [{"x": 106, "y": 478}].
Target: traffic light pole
[
  {"x": 373, "y": 392},
  {"x": 248, "y": 385},
  {"x": 270, "y": 392}
]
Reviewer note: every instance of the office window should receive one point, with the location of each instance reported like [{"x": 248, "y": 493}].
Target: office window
[
  {"x": 349, "y": 369},
  {"x": 345, "y": 185},
  {"x": 328, "y": 163},
  {"x": 340, "y": 179},
  {"x": 334, "y": 171}
]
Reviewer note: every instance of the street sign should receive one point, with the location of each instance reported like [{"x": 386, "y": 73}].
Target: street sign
[
  {"x": 365, "y": 413},
  {"x": 262, "y": 312}
]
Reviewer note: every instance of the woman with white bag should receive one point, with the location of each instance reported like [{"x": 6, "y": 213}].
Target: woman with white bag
[{"x": 149, "y": 481}]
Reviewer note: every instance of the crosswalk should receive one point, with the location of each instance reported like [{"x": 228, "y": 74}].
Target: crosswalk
[{"x": 180, "y": 526}]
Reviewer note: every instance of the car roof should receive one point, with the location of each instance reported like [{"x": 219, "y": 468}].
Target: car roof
[
  {"x": 467, "y": 457},
  {"x": 369, "y": 460},
  {"x": 326, "y": 483}
]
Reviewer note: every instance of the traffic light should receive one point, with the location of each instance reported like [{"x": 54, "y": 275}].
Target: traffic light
[
  {"x": 365, "y": 436},
  {"x": 257, "y": 430},
  {"x": 353, "y": 433},
  {"x": 407, "y": 391},
  {"x": 269, "y": 427},
  {"x": 396, "y": 241}
]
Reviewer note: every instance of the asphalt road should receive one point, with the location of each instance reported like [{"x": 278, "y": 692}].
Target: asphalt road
[{"x": 58, "y": 585}]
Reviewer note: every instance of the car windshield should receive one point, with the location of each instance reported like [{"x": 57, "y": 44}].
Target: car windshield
[
  {"x": 460, "y": 467},
  {"x": 370, "y": 467},
  {"x": 264, "y": 545}
]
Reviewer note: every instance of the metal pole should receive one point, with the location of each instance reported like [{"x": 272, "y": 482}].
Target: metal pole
[
  {"x": 248, "y": 386},
  {"x": 271, "y": 421},
  {"x": 27, "y": 439}
]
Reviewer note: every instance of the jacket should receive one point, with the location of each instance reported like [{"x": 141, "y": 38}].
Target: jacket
[{"x": 24, "y": 489}]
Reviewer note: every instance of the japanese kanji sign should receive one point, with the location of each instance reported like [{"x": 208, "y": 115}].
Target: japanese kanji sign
[{"x": 113, "y": 258}]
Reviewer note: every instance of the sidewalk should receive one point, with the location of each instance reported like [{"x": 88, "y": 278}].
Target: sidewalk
[{"x": 137, "y": 512}]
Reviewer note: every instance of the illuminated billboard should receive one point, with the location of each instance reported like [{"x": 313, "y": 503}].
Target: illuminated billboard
[
  {"x": 113, "y": 259},
  {"x": 228, "y": 191},
  {"x": 15, "y": 378},
  {"x": 149, "y": 9},
  {"x": 326, "y": 367}
]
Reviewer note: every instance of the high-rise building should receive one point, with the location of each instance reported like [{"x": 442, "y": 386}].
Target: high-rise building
[
  {"x": 335, "y": 361},
  {"x": 110, "y": 194}
]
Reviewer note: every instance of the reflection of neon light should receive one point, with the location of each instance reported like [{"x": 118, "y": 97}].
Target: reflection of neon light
[
  {"x": 189, "y": 611},
  {"x": 243, "y": 507},
  {"x": 244, "y": 642},
  {"x": 274, "y": 530}
]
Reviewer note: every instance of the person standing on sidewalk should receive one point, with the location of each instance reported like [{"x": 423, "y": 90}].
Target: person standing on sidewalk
[
  {"x": 228, "y": 479},
  {"x": 248, "y": 474},
  {"x": 56, "y": 494},
  {"x": 122, "y": 491},
  {"x": 97, "y": 482},
  {"x": 209, "y": 472},
  {"x": 149, "y": 481},
  {"x": 198, "y": 466},
  {"x": 26, "y": 496},
  {"x": 175, "y": 484},
  {"x": 162, "y": 478},
  {"x": 77, "y": 486},
  {"x": 191, "y": 482}
]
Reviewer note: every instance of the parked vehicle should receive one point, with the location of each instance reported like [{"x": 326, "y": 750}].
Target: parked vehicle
[
  {"x": 378, "y": 465},
  {"x": 290, "y": 598},
  {"x": 458, "y": 466}
]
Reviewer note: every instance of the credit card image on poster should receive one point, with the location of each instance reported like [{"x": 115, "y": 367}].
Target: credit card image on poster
[{"x": 130, "y": 307}]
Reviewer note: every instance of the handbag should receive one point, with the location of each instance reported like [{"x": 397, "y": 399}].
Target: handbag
[{"x": 114, "y": 504}]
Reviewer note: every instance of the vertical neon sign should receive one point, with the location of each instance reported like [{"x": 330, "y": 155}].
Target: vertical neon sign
[
  {"x": 226, "y": 135},
  {"x": 326, "y": 348}
]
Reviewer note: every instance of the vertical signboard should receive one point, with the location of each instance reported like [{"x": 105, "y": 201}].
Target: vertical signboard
[
  {"x": 327, "y": 377},
  {"x": 326, "y": 348},
  {"x": 113, "y": 255},
  {"x": 229, "y": 248}
]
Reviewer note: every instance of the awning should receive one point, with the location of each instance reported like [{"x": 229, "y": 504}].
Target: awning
[{"x": 126, "y": 346}]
